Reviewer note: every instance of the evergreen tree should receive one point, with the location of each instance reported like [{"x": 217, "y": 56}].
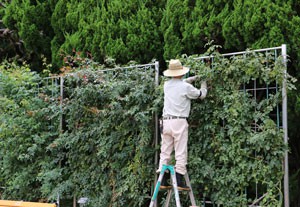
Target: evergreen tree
[
  {"x": 204, "y": 23},
  {"x": 172, "y": 27},
  {"x": 10, "y": 45},
  {"x": 64, "y": 21},
  {"x": 31, "y": 20},
  {"x": 130, "y": 32},
  {"x": 257, "y": 24},
  {"x": 123, "y": 31}
]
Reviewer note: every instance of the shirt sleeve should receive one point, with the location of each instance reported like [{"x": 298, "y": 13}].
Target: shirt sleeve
[
  {"x": 192, "y": 92},
  {"x": 190, "y": 79}
]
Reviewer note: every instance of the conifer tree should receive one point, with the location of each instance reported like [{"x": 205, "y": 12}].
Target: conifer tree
[
  {"x": 130, "y": 32},
  {"x": 123, "y": 31},
  {"x": 31, "y": 20},
  {"x": 172, "y": 27},
  {"x": 204, "y": 23},
  {"x": 257, "y": 24},
  {"x": 10, "y": 45}
]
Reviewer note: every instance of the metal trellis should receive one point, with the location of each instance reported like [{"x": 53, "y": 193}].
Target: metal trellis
[{"x": 276, "y": 51}]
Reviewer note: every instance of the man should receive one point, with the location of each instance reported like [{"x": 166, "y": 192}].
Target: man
[{"x": 177, "y": 104}]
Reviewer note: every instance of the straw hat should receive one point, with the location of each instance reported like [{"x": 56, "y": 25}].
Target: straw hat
[{"x": 175, "y": 69}]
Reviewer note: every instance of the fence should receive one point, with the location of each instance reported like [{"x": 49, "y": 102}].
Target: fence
[
  {"x": 280, "y": 113},
  {"x": 57, "y": 92},
  {"x": 56, "y": 89}
]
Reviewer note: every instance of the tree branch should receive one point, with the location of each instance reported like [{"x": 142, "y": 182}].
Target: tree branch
[{"x": 258, "y": 200}]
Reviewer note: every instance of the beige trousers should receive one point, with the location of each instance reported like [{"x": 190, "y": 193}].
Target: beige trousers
[{"x": 174, "y": 137}]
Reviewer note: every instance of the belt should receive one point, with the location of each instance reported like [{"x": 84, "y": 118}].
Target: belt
[{"x": 173, "y": 117}]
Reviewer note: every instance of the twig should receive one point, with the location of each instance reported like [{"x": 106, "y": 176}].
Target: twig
[{"x": 258, "y": 200}]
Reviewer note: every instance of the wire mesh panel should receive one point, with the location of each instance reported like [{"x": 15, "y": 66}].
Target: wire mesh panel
[
  {"x": 48, "y": 89},
  {"x": 54, "y": 88},
  {"x": 33, "y": 126},
  {"x": 251, "y": 81},
  {"x": 107, "y": 140}
]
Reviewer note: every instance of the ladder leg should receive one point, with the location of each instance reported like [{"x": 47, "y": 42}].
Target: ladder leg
[
  {"x": 168, "y": 198},
  {"x": 175, "y": 188},
  {"x": 154, "y": 197},
  {"x": 191, "y": 194}
]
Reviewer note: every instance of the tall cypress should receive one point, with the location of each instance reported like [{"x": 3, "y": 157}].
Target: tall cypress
[
  {"x": 172, "y": 27},
  {"x": 31, "y": 20},
  {"x": 204, "y": 23},
  {"x": 257, "y": 24},
  {"x": 123, "y": 31}
]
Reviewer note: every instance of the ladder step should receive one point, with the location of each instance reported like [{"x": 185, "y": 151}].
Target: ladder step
[{"x": 166, "y": 189}]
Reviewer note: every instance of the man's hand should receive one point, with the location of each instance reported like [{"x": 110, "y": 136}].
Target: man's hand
[
  {"x": 203, "y": 90},
  {"x": 204, "y": 84}
]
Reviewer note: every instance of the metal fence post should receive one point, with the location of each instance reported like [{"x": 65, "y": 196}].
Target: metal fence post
[
  {"x": 156, "y": 126},
  {"x": 156, "y": 115},
  {"x": 61, "y": 102},
  {"x": 285, "y": 127}
]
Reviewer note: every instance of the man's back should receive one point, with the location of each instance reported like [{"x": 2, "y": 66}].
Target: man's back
[{"x": 177, "y": 97}]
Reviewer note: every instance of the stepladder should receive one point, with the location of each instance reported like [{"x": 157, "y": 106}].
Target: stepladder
[{"x": 174, "y": 190}]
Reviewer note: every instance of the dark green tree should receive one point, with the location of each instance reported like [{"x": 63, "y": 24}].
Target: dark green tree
[
  {"x": 172, "y": 27},
  {"x": 204, "y": 23},
  {"x": 31, "y": 20},
  {"x": 258, "y": 24},
  {"x": 11, "y": 47},
  {"x": 123, "y": 31}
]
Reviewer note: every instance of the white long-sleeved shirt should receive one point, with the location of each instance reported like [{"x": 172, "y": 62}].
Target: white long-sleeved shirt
[{"x": 177, "y": 97}]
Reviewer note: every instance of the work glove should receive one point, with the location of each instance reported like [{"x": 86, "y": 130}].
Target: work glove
[
  {"x": 203, "y": 90},
  {"x": 191, "y": 79}
]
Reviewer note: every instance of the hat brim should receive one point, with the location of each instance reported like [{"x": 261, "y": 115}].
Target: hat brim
[{"x": 174, "y": 73}]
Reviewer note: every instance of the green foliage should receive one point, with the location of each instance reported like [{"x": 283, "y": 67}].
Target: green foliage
[
  {"x": 105, "y": 147},
  {"x": 26, "y": 128},
  {"x": 125, "y": 31},
  {"x": 107, "y": 143},
  {"x": 146, "y": 30},
  {"x": 135, "y": 31},
  {"x": 234, "y": 143},
  {"x": 204, "y": 22},
  {"x": 143, "y": 30},
  {"x": 294, "y": 165},
  {"x": 31, "y": 20},
  {"x": 257, "y": 24},
  {"x": 172, "y": 27}
]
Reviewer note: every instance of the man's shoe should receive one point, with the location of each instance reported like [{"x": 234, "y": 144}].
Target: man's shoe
[
  {"x": 165, "y": 182},
  {"x": 180, "y": 182}
]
